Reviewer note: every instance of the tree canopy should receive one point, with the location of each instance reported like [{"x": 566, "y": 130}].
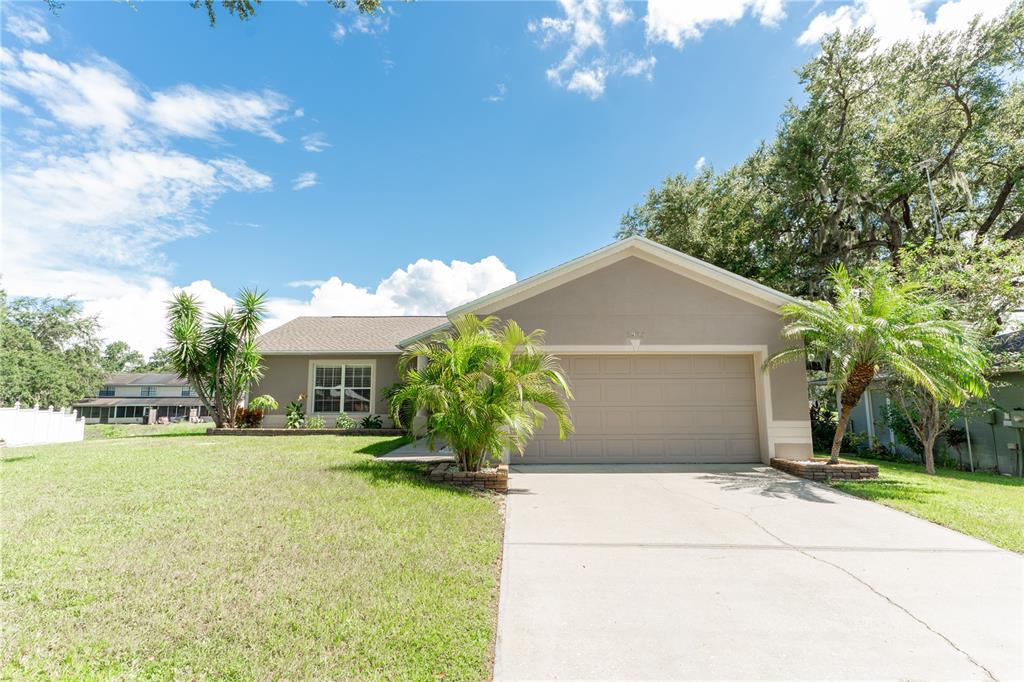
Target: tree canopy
[
  {"x": 846, "y": 178},
  {"x": 53, "y": 355}
]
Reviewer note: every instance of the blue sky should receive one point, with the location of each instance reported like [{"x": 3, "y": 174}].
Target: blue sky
[{"x": 144, "y": 151}]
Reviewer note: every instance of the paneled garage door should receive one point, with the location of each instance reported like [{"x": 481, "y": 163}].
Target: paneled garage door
[{"x": 655, "y": 408}]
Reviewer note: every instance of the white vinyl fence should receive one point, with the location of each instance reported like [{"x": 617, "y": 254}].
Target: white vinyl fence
[{"x": 33, "y": 426}]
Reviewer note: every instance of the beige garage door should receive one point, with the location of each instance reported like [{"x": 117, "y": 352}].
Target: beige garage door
[{"x": 648, "y": 409}]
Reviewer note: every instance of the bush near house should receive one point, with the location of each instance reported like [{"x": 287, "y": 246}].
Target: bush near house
[{"x": 482, "y": 388}]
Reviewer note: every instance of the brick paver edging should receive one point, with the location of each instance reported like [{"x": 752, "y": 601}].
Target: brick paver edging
[
  {"x": 305, "y": 432},
  {"x": 492, "y": 479},
  {"x": 818, "y": 470}
]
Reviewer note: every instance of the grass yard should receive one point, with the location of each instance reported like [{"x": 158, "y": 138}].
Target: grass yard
[
  {"x": 107, "y": 431},
  {"x": 237, "y": 558},
  {"x": 987, "y": 506}
]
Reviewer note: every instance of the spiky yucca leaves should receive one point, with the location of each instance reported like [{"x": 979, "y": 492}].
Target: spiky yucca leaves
[
  {"x": 482, "y": 388},
  {"x": 880, "y": 325},
  {"x": 219, "y": 357}
]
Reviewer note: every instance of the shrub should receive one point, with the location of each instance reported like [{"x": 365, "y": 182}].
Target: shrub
[
  {"x": 371, "y": 421},
  {"x": 897, "y": 421},
  {"x": 294, "y": 417},
  {"x": 314, "y": 422},
  {"x": 265, "y": 402},
  {"x": 344, "y": 422},
  {"x": 248, "y": 418},
  {"x": 823, "y": 427}
]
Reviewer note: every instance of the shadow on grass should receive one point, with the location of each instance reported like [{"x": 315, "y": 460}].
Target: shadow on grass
[
  {"x": 11, "y": 460},
  {"x": 887, "y": 489},
  {"x": 385, "y": 474},
  {"x": 384, "y": 447}
]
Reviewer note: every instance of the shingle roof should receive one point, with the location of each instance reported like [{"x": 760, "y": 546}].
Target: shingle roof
[
  {"x": 145, "y": 379},
  {"x": 346, "y": 334},
  {"x": 113, "y": 402}
]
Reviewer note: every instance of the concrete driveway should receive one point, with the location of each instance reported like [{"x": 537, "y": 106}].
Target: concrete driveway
[{"x": 742, "y": 572}]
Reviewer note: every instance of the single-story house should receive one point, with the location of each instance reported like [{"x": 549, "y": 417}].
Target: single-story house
[
  {"x": 141, "y": 398},
  {"x": 663, "y": 352},
  {"x": 995, "y": 435}
]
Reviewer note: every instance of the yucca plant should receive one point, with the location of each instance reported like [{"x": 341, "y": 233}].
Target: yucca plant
[
  {"x": 481, "y": 389},
  {"x": 878, "y": 325},
  {"x": 218, "y": 354}
]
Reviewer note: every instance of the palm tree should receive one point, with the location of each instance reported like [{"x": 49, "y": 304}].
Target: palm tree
[
  {"x": 219, "y": 358},
  {"x": 482, "y": 388},
  {"x": 878, "y": 325}
]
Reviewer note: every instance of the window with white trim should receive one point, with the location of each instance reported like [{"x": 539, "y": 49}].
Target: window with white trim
[{"x": 342, "y": 388}]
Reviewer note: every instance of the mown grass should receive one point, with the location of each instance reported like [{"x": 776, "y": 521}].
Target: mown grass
[
  {"x": 987, "y": 506},
  {"x": 107, "y": 431},
  {"x": 241, "y": 558}
]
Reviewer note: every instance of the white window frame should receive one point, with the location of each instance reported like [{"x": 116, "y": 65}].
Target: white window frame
[{"x": 353, "y": 362}]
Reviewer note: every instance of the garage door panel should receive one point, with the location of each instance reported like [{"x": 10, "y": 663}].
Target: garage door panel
[{"x": 668, "y": 408}]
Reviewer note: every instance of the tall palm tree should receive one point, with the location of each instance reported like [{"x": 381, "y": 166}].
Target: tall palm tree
[
  {"x": 219, "y": 357},
  {"x": 482, "y": 388},
  {"x": 878, "y": 325}
]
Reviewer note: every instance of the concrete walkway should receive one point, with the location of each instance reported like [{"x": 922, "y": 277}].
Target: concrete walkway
[{"x": 742, "y": 572}]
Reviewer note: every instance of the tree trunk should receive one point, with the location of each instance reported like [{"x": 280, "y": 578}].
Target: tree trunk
[
  {"x": 858, "y": 382},
  {"x": 837, "y": 440},
  {"x": 929, "y": 455}
]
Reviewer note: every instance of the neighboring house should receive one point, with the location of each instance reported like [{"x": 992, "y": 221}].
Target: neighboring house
[
  {"x": 145, "y": 398},
  {"x": 663, "y": 352},
  {"x": 995, "y": 438}
]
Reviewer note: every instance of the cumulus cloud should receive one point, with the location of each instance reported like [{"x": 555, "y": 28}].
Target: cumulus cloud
[
  {"x": 897, "y": 20},
  {"x": 133, "y": 309},
  {"x": 699, "y": 166},
  {"x": 673, "y": 22},
  {"x": 93, "y": 188},
  {"x": 304, "y": 181},
  {"x": 27, "y": 28},
  {"x": 586, "y": 64}
]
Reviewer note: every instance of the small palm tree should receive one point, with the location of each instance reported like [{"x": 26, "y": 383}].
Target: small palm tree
[
  {"x": 217, "y": 355},
  {"x": 877, "y": 326},
  {"x": 481, "y": 389}
]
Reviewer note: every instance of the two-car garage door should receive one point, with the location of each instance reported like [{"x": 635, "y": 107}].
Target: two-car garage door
[{"x": 655, "y": 408}]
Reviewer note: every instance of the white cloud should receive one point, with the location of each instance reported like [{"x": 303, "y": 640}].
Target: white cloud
[
  {"x": 191, "y": 112},
  {"x": 499, "y": 96},
  {"x": 898, "y": 20},
  {"x": 674, "y": 22},
  {"x": 134, "y": 309},
  {"x": 306, "y": 283},
  {"x": 83, "y": 96},
  {"x": 315, "y": 142},
  {"x": 589, "y": 82},
  {"x": 586, "y": 65},
  {"x": 699, "y": 166},
  {"x": 339, "y": 31},
  {"x": 92, "y": 188},
  {"x": 26, "y": 28},
  {"x": 305, "y": 181},
  {"x": 100, "y": 95}
]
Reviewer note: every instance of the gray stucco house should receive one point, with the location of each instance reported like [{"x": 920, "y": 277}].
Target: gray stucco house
[{"x": 663, "y": 352}]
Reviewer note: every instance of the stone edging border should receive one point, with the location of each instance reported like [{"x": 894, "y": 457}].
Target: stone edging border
[
  {"x": 494, "y": 479},
  {"x": 305, "y": 432},
  {"x": 818, "y": 470}
]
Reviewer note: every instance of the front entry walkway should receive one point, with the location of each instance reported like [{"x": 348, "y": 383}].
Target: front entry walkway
[{"x": 742, "y": 572}]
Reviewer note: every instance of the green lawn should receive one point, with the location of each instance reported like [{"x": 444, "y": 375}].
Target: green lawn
[
  {"x": 240, "y": 558},
  {"x": 987, "y": 506},
  {"x": 107, "y": 431}
]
